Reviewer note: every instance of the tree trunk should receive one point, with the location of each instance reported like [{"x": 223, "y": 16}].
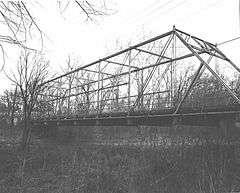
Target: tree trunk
[
  {"x": 26, "y": 127},
  {"x": 13, "y": 108}
]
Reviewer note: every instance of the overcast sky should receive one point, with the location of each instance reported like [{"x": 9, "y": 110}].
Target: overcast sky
[{"x": 135, "y": 20}]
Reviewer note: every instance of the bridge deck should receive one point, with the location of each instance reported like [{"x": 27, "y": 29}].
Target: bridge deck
[{"x": 210, "y": 116}]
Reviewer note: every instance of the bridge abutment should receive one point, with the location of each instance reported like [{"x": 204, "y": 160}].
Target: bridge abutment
[
  {"x": 229, "y": 127},
  {"x": 98, "y": 123}
]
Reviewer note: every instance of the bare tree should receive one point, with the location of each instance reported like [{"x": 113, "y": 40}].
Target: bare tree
[
  {"x": 29, "y": 78},
  {"x": 10, "y": 99},
  {"x": 21, "y": 24},
  {"x": 69, "y": 84}
]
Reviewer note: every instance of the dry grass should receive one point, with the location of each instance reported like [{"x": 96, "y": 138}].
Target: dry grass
[{"x": 205, "y": 166}]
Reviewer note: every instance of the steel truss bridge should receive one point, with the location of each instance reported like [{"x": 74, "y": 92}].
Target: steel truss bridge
[{"x": 174, "y": 76}]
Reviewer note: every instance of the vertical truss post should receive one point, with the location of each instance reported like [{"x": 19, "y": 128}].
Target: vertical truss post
[
  {"x": 98, "y": 90},
  {"x": 158, "y": 85},
  {"x": 57, "y": 101},
  {"x": 69, "y": 93},
  {"x": 171, "y": 84},
  {"x": 101, "y": 93},
  {"x": 116, "y": 93},
  {"x": 129, "y": 82},
  {"x": 172, "y": 71},
  {"x": 88, "y": 95},
  {"x": 111, "y": 95},
  {"x": 48, "y": 94},
  {"x": 53, "y": 104},
  {"x": 209, "y": 68},
  {"x": 59, "y": 110},
  {"x": 77, "y": 91},
  {"x": 142, "y": 97}
]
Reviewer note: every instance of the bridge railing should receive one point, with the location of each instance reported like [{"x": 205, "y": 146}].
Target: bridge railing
[{"x": 151, "y": 103}]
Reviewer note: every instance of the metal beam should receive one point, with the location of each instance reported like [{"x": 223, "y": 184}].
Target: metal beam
[
  {"x": 132, "y": 96},
  {"x": 209, "y": 68},
  {"x": 121, "y": 64},
  {"x": 91, "y": 91},
  {"x": 151, "y": 53},
  {"x": 157, "y": 115},
  {"x": 207, "y": 51},
  {"x": 187, "y": 34},
  {"x": 97, "y": 72}
]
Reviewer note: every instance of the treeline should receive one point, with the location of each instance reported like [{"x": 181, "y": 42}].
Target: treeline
[{"x": 206, "y": 93}]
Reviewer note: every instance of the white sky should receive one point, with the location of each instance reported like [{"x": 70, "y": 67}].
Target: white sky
[{"x": 212, "y": 20}]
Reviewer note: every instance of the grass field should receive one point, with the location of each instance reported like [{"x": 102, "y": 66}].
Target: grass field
[{"x": 178, "y": 165}]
